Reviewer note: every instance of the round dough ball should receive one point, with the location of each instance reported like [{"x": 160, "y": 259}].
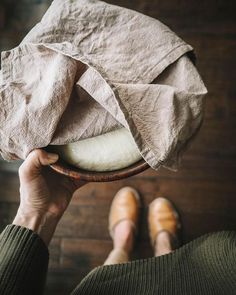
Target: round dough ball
[{"x": 107, "y": 152}]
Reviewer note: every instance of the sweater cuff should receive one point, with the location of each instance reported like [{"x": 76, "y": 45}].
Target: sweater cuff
[{"x": 23, "y": 261}]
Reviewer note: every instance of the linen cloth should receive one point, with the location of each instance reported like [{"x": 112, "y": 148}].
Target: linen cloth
[{"x": 89, "y": 67}]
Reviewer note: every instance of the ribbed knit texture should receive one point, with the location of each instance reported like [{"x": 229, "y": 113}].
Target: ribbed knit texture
[
  {"x": 206, "y": 266},
  {"x": 23, "y": 262}
]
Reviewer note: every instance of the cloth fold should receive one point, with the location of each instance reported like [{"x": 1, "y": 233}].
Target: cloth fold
[{"x": 89, "y": 67}]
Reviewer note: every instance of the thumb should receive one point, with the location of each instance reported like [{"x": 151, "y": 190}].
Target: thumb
[{"x": 34, "y": 162}]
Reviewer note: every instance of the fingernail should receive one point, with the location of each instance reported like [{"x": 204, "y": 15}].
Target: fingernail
[{"x": 53, "y": 157}]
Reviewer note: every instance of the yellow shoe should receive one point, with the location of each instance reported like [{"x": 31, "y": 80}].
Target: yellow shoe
[
  {"x": 125, "y": 206},
  {"x": 162, "y": 216}
]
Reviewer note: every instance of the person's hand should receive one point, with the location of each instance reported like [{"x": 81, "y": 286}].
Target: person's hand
[
  {"x": 44, "y": 194},
  {"x": 41, "y": 189}
]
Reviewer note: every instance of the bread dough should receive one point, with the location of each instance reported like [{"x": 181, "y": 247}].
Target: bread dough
[{"x": 107, "y": 152}]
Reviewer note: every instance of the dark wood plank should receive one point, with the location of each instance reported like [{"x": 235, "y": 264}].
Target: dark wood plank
[
  {"x": 55, "y": 253},
  {"x": 204, "y": 188},
  {"x": 84, "y": 221},
  {"x": 7, "y": 213},
  {"x": 61, "y": 282},
  {"x": 84, "y": 253},
  {"x": 10, "y": 184}
]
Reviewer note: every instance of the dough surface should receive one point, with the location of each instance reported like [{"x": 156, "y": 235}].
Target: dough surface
[{"x": 107, "y": 152}]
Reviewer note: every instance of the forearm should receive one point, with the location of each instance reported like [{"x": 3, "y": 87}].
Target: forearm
[{"x": 43, "y": 224}]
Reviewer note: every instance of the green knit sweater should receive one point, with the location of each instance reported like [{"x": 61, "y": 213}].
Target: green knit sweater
[{"x": 204, "y": 266}]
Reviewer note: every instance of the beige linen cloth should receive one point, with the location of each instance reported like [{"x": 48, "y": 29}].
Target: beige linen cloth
[{"x": 89, "y": 67}]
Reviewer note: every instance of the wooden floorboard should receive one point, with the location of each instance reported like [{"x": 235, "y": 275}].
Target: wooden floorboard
[{"x": 203, "y": 189}]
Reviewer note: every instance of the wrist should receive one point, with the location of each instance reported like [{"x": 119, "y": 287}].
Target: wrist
[{"x": 42, "y": 223}]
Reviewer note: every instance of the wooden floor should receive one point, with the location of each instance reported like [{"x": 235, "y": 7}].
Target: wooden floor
[{"x": 204, "y": 189}]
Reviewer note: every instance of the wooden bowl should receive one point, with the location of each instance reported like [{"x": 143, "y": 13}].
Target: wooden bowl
[{"x": 79, "y": 174}]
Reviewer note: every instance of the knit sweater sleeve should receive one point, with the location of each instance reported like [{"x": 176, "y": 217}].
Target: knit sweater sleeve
[{"x": 23, "y": 262}]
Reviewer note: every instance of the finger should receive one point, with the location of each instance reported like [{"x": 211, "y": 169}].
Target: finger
[{"x": 34, "y": 162}]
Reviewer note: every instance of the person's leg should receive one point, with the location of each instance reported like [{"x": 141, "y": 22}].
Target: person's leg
[
  {"x": 123, "y": 242},
  {"x": 163, "y": 226},
  {"x": 163, "y": 244},
  {"x": 123, "y": 222}
]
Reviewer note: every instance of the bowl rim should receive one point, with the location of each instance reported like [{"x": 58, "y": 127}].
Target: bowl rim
[{"x": 79, "y": 174}]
